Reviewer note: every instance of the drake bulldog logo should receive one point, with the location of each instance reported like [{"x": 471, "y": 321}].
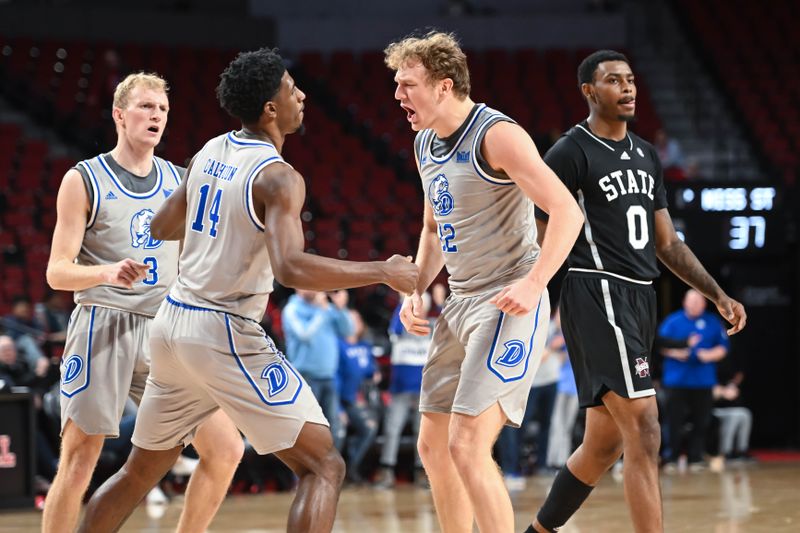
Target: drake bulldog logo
[{"x": 140, "y": 230}]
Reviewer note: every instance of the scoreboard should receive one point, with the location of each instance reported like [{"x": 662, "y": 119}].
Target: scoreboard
[{"x": 738, "y": 220}]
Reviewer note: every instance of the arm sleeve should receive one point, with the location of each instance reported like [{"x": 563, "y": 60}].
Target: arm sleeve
[
  {"x": 669, "y": 342},
  {"x": 568, "y": 162}
]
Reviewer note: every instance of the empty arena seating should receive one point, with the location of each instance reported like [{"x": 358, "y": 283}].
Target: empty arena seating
[
  {"x": 761, "y": 78},
  {"x": 362, "y": 203}
]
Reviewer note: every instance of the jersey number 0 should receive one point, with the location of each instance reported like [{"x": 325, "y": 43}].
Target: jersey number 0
[{"x": 638, "y": 234}]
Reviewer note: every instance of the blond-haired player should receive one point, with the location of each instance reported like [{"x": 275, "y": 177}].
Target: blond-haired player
[
  {"x": 481, "y": 174},
  {"x": 102, "y": 249}
]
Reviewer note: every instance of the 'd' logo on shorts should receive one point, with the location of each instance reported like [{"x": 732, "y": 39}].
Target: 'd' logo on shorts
[
  {"x": 514, "y": 354},
  {"x": 276, "y": 377},
  {"x": 72, "y": 368}
]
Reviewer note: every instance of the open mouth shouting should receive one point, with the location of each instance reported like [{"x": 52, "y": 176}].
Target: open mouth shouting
[{"x": 411, "y": 114}]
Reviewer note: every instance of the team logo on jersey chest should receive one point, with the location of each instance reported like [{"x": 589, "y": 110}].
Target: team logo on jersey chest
[
  {"x": 140, "y": 230},
  {"x": 439, "y": 196}
]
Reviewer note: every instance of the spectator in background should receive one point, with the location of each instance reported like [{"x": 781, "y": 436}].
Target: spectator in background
[
  {"x": 693, "y": 170},
  {"x": 438, "y": 295},
  {"x": 312, "y": 327},
  {"x": 565, "y": 414},
  {"x": 357, "y": 365},
  {"x": 689, "y": 374},
  {"x": 25, "y": 330},
  {"x": 409, "y": 353},
  {"x": 16, "y": 372},
  {"x": 671, "y": 156},
  {"x": 735, "y": 420},
  {"x": 53, "y": 315}
]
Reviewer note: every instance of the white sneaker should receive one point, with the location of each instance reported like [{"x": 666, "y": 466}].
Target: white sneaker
[
  {"x": 184, "y": 466},
  {"x": 156, "y": 496}
]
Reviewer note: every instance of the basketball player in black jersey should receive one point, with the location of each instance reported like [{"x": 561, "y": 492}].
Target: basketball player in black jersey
[{"x": 607, "y": 301}]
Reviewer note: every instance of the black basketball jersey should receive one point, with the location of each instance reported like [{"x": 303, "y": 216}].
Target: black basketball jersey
[{"x": 619, "y": 185}]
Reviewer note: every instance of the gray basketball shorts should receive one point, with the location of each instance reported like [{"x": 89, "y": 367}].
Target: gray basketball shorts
[
  {"x": 106, "y": 359},
  {"x": 204, "y": 360},
  {"x": 479, "y": 356}
]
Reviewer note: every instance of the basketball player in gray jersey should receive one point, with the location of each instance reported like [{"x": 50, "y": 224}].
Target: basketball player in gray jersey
[
  {"x": 480, "y": 174},
  {"x": 238, "y": 212},
  {"x": 104, "y": 251}
]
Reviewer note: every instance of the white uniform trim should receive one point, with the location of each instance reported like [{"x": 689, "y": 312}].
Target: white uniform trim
[
  {"x": 448, "y": 155},
  {"x": 592, "y": 135},
  {"x": 607, "y": 273},
  {"x": 623, "y": 352},
  {"x": 248, "y": 189},
  {"x": 587, "y": 229}
]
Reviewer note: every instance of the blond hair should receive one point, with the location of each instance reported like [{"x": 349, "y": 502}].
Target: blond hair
[
  {"x": 438, "y": 52},
  {"x": 149, "y": 80}
]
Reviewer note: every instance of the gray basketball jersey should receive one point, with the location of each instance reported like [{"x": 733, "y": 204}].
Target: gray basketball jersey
[
  {"x": 225, "y": 264},
  {"x": 119, "y": 228},
  {"x": 485, "y": 222}
]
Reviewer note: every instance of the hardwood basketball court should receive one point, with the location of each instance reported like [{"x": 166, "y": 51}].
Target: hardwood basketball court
[{"x": 757, "y": 498}]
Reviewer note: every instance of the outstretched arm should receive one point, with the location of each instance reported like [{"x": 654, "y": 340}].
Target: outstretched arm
[
  {"x": 279, "y": 192},
  {"x": 72, "y": 212},
  {"x": 680, "y": 259}
]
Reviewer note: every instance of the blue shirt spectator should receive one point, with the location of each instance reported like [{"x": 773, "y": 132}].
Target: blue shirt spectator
[
  {"x": 356, "y": 364},
  {"x": 693, "y": 367},
  {"x": 312, "y": 327},
  {"x": 409, "y": 354}
]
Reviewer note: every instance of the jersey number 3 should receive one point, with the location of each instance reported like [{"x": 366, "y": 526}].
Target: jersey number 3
[
  {"x": 213, "y": 212},
  {"x": 638, "y": 234}
]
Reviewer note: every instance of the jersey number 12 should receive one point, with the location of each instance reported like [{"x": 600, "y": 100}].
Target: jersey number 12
[{"x": 447, "y": 233}]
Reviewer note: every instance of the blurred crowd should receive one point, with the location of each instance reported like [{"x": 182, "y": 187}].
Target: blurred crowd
[{"x": 368, "y": 379}]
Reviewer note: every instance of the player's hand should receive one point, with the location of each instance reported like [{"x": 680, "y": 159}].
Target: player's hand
[
  {"x": 693, "y": 339},
  {"x": 125, "y": 273},
  {"x": 401, "y": 274},
  {"x": 340, "y": 298},
  {"x": 519, "y": 298},
  {"x": 412, "y": 315},
  {"x": 321, "y": 300},
  {"x": 42, "y": 367},
  {"x": 733, "y": 312}
]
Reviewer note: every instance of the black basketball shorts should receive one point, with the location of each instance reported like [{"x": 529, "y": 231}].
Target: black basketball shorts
[{"x": 609, "y": 325}]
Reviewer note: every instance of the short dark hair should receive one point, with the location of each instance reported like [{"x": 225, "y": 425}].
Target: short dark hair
[
  {"x": 249, "y": 81},
  {"x": 588, "y": 66}
]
